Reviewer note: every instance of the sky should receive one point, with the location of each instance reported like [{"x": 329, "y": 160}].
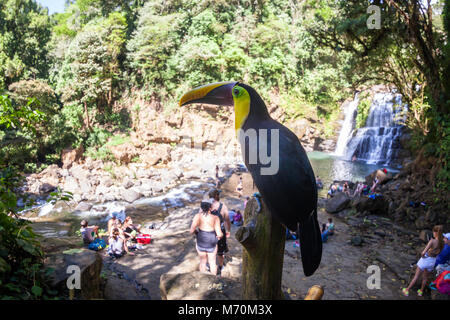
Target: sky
[{"x": 53, "y": 5}]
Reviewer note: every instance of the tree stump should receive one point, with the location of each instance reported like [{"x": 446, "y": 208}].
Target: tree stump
[{"x": 263, "y": 240}]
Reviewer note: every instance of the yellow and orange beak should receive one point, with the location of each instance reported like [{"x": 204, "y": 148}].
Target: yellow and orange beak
[{"x": 219, "y": 93}]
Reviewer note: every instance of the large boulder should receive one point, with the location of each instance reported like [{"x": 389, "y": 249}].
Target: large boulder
[
  {"x": 339, "y": 202},
  {"x": 198, "y": 286},
  {"x": 121, "y": 289},
  {"x": 156, "y": 153},
  {"x": 90, "y": 264},
  {"x": 377, "y": 206},
  {"x": 70, "y": 156},
  {"x": 130, "y": 195},
  {"x": 381, "y": 175},
  {"x": 124, "y": 153},
  {"x": 71, "y": 184}
]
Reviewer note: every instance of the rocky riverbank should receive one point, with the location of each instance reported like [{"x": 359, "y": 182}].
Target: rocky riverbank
[{"x": 167, "y": 268}]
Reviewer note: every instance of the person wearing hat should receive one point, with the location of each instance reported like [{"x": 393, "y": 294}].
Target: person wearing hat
[
  {"x": 221, "y": 210},
  {"x": 206, "y": 227},
  {"x": 444, "y": 256}
]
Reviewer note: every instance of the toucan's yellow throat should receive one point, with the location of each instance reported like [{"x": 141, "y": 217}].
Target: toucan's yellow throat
[{"x": 222, "y": 93}]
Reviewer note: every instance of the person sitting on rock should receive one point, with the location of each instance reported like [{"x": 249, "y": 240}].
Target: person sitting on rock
[
  {"x": 443, "y": 259},
  {"x": 88, "y": 233},
  {"x": 117, "y": 244},
  {"x": 359, "y": 188},
  {"x": 237, "y": 219},
  {"x": 325, "y": 233},
  {"x": 375, "y": 183},
  {"x": 346, "y": 189},
  {"x": 332, "y": 191},
  {"x": 129, "y": 229},
  {"x": 427, "y": 262},
  {"x": 330, "y": 226},
  {"x": 319, "y": 183}
]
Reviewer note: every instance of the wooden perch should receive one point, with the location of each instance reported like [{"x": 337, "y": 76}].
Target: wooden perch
[{"x": 263, "y": 240}]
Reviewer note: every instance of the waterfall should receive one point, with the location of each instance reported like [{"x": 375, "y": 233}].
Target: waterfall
[
  {"x": 347, "y": 126},
  {"x": 378, "y": 142}
]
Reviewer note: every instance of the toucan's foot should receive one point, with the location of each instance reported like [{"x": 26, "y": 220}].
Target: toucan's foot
[{"x": 257, "y": 196}]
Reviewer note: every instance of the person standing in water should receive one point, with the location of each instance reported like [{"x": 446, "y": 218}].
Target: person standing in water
[
  {"x": 221, "y": 210},
  {"x": 206, "y": 226}
]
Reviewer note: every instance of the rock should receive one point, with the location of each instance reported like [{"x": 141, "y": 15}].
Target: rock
[
  {"x": 71, "y": 184},
  {"x": 130, "y": 195},
  {"x": 339, "y": 202},
  {"x": 299, "y": 127},
  {"x": 127, "y": 183},
  {"x": 356, "y": 241},
  {"x": 196, "y": 286},
  {"x": 421, "y": 223},
  {"x": 70, "y": 156},
  {"x": 106, "y": 181},
  {"x": 377, "y": 206},
  {"x": 124, "y": 152},
  {"x": 83, "y": 206},
  {"x": 121, "y": 289},
  {"x": 46, "y": 188},
  {"x": 431, "y": 215},
  {"x": 380, "y": 233},
  {"x": 382, "y": 177},
  {"x": 425, "y": 235},
  {"x": 156, "y": 153},
  {"x": 90, "y": 264}
]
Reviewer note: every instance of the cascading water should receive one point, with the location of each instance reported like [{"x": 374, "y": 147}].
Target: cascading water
[
  {"x": 378, "y": 142},
  {"x": 347, "y": 126}
]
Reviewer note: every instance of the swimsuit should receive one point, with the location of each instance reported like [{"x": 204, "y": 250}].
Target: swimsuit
[{"x": 206, "y": 241}]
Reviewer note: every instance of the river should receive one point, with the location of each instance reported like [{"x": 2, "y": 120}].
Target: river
[{"x": 330, "y": 167}]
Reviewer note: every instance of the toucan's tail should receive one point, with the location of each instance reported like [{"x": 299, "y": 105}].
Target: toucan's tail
[{"x": 310, "y": 244}]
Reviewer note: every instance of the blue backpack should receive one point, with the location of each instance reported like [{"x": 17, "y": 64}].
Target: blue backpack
[{"x": 97, "y": 244}]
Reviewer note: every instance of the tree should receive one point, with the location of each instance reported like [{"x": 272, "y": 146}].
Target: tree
[{"x": 24, "y": 34}]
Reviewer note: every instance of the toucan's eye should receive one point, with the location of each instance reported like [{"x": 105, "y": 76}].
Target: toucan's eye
[{"x": 236, "y": 92}]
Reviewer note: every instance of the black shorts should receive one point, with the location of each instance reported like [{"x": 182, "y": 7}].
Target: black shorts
[{"x": 222, "y": 246}]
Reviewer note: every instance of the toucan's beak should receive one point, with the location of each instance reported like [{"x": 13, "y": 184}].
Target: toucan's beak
[{"x": 219, "y": 93}]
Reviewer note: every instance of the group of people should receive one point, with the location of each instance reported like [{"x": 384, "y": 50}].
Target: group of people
[
  {"x": 435, "y": 256},
  {"x": 119, "y": 233},
  {"x": 212, "y": 227},
  {"x": 338, "y": 188}
]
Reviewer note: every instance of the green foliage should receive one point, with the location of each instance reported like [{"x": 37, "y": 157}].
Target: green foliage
[
  {"x": 22, "y": 275},
  {"x": 24, "y": 31},
  {"x": 363, "y": 112}
]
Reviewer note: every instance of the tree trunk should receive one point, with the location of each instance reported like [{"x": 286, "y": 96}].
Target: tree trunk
[{"x": 263, "y": 240}]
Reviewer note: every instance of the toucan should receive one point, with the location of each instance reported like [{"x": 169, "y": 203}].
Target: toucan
[{"x": 289, "y": 191}]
